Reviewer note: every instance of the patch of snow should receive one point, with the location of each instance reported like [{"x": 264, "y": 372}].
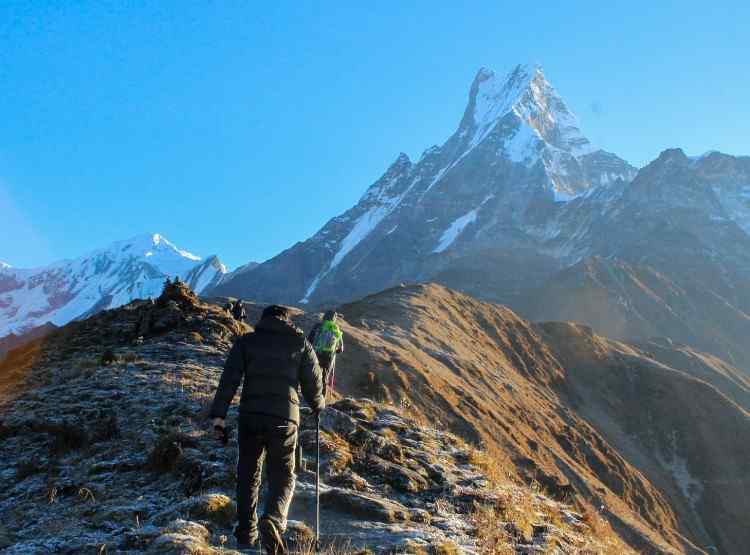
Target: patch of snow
[
  {"x": 438, "y": 177},
  {"x": 454, "y": 230},
  {"x": 394, "y": 228},
  {"x": 313, "y": 286},
  {"x": 524, "y": 145},
  {"x": 457, "y": 227},
  {"x": 362, "y": 228},
  {"x": 205, "y": 279},
  {"x": 563, "y": 196},
  {"x": 691, "y": 487},
  {"x": 735, "y": 201},
  {"x": 527, "y": 93}
]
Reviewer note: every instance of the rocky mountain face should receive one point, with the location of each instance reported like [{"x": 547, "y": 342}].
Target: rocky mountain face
[
  {"x": 519, "y": 208},
  {"x": 670, "y": 257},
  {"x": 107, "y": 448},
  {"x": 516, "y": 156},
  {"x": 105, "y": 278}
]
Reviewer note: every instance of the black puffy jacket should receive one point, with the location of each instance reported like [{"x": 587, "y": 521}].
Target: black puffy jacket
[{"x": 275, "y": 360}]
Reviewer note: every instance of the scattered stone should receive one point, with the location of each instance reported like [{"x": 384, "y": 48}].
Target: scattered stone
[
  {"x": 335, "y": 421},
  {"x": 365, "y": 506},
  {"x": 212, "y": 507}
]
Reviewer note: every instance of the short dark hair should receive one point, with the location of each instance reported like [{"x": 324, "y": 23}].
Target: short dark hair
[
  {"x": 276, "y": 311},
  {"x": 330, "y": 315}
]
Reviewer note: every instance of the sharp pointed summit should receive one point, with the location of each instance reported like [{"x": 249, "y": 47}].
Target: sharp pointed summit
[{"x": 516, "y": 154}]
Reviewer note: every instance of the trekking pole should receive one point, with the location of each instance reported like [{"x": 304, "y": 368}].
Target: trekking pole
[{"x": 317, "y": 484}]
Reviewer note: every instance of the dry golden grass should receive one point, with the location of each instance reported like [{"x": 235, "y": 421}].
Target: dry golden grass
[
  {"x": 493, "y": 537},
  {"x": 195, "y": 337},
  {"x": 519, "y": 510},
  {"x": 341, "y": 456},
  {"x": 306, "y": 546},
  {"x": 600, "y": 537},
  {"x": 15, "y": 368},
  {"x": 494, "y": 464}
]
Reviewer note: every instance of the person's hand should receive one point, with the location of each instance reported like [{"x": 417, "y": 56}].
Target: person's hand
[{"x": 220, "y": 431}]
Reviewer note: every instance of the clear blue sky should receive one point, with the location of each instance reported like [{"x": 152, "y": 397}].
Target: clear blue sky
[{"x": 238, "y": 128}]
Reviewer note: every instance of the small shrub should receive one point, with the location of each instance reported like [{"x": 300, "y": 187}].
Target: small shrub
[
  {"x": 87, "y": 363},
  {"x": 28, "y": 467},
  {"x": 445, "y": 548},
  {"x": 130, "y": 357},
  {"x": 214, "y": 507},
  {"x": 106, "y": 428},
  {"x": 492, "y": 535},
  {"x": 108, "y": 357},
  {"x": 195, "y": 337},
  {"x": 66, "y": 436},
  {"x": 495, "y": 465},
  {"x": 167, "y": 451}
]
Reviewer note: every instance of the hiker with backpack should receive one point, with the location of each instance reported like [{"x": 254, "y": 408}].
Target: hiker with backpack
[
  {"x": 328, "y": 341},
  {"x": 238, "y": 311},
  {"x": 273, "y": 362}
]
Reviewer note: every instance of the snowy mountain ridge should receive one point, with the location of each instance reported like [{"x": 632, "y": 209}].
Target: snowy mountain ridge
[
  {"x": 104, "y": 278},
  {"x": 517, "y": 150}
]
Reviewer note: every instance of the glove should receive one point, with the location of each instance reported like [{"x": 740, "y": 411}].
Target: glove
[
  {"x": 222, "y": 434},
  {"x": 220, "y": 431}
]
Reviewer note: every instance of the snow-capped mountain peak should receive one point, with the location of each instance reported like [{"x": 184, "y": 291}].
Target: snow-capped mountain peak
[
  {"x": 151, "y": 244},
  {"x": 516, "y": 156},
  {"x": 104, "y": 278},
  {"x": 526, "y": 93}
]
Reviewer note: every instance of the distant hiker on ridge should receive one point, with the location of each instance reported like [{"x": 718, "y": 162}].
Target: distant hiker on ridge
[
  {"x": 238, "y": 311},
  {"x": 274, "y": 360},
  {"x": 328, "y": 340}
]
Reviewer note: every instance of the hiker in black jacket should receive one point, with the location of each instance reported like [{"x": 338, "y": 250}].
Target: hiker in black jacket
[
  {"x": 238, "y": 311},
  {"x": 274, "y": 360}
]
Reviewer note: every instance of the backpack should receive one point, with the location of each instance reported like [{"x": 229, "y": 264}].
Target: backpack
[{"x": 327, "y": 338}]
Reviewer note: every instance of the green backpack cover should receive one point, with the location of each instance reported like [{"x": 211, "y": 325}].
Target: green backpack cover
[{"x": 328, "y": 337}]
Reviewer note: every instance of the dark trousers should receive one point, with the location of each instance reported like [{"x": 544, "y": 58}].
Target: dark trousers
[
  {"x": 327, "y": 363},
  {"x": 264, "y": 437}
]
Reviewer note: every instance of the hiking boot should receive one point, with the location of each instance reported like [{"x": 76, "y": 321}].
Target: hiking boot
[
  {"x": 245, "y": 540},
  {"x": 270, "y": 537}
]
